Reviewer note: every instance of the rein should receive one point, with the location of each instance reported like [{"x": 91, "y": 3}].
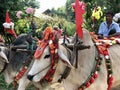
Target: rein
[
  {"x": 24, "y": 68},
  {"x": 42, "y": 70},
  {"x": 67, "y": 69},
  {"x": 3, "y": 69}
]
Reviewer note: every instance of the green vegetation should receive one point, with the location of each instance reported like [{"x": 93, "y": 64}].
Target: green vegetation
[
  {"x": 64, "y": 17},
  {"x": 5, "y": 86}
]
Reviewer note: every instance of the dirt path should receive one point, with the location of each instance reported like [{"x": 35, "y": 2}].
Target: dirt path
[
  {"x": 58, "y": 86},
  {"x": 116, "y": 88},
  {"x": 55, "y": 86}
]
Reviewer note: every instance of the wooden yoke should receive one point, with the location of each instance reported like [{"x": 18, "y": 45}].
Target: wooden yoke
[{"x": 77, "y": 45}]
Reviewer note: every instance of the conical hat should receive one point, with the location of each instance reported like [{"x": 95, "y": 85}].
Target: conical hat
[
  {"x": 7, "y": 17},
  {"x": 8, "y": 23}
]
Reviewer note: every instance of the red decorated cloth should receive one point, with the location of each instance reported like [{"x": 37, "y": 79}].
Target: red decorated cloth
[
  {"x": 40, "y": 50},
  {"x": 51, "y": 38},
  {"x": 49, "y": 35},
  {"x": 10, "y": 31},
  {"x": 79, "y": 11},
  {"x": 102, "y": 45}
]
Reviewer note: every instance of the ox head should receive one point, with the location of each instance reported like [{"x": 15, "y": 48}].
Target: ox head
[
  {"x": 42, "y": 65},
  {"x": 3, "y": 56}
]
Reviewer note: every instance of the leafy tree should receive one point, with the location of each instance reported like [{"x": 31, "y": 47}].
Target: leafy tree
[
  {"x": 113, "y": 5},
  {"x": 13, "y": 6},
  {"x": 60, "y": 12},
  {"x": 69, "y": 11}
]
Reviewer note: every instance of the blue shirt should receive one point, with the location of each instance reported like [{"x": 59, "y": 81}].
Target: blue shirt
[{"x": 104, "y": 29}]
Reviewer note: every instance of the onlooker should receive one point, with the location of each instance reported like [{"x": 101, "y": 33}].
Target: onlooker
[{"x": 108, "y": 27}]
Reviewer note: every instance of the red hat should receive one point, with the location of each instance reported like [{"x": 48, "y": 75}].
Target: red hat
[
  {"x": 7, "y": 17},
  {"x": 8, "y": 23}
]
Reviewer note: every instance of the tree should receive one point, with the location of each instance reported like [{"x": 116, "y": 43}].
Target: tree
[
  {"x": 105, "y": 5},
  {"x": 13, "y": 6},
  {"x": 70, "y": 11},
  {"x": 113, "y": 5}
]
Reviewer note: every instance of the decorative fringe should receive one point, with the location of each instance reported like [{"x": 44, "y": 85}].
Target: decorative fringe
[{"x": 110, "y": 79}]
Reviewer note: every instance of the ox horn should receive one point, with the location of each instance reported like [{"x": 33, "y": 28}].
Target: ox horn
[
  {"x": 64, "y": 58},
  {"x": 2, "y": 54}
]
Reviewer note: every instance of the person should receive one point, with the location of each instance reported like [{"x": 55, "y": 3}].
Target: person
[{"x": 108, "y": 28}]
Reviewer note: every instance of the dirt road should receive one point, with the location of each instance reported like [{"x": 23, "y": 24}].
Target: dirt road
[{"x": 58, "y": 86}]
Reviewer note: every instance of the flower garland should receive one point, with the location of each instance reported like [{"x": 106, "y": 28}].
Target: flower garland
[
  {"x": 103, "y": 50},
  {"x": 94, "y": 74},
  {"x": 51, "y": 38},
  {"x": 102, "y": 45},
  {"x": 54, "y": 60}
]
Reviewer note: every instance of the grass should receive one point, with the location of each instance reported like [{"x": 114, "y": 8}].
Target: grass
[{"x": 5, "y": 86}]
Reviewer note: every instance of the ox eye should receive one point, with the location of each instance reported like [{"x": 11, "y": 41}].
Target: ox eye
[{"x": 47, "y": 56}]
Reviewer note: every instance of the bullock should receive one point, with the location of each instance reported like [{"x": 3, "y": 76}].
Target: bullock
[
  {"x": 3, "y": 58},
  {"x": 87, "y": 75},
  {"x": 18, "y": 59}
]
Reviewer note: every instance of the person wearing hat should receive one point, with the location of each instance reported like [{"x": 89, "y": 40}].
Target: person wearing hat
[{"x": 9, "y": 26}]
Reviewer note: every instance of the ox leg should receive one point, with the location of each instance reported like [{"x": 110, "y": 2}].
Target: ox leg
[{"x": 23, "y": 83}]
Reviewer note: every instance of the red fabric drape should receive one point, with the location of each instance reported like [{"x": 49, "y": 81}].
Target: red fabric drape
[{"x": 79, "y": 10}]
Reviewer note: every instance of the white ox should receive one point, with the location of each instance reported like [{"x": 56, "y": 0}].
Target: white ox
[
  {"x": 78, "y": 76},
  {"x": 11, "y": 61},
  {"x": 12, "y": 68},
  {"x": 14, "y": 64}
]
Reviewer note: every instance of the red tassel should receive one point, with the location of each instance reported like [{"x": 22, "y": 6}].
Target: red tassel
[
  {"x": 111, "y": 78},
  {"x": 87, "y": 84},
  {"x": 110, "y": 83},
  {"x": 95, "y": 75},
  {"x": 117, "y": 41},
  {"x": 105, "y": 52},
  {"x": 47, "y": 77},
  {"x": 109, "y": 86},
  {"x": 92, "y": 80}
]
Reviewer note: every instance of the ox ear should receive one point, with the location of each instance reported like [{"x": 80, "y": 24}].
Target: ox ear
[
  {"x": 3, "y": 56},
  {"x": 64, "y": 58}
]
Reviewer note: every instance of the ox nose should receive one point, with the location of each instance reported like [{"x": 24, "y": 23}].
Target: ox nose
[{"x": 30, "y": 77}]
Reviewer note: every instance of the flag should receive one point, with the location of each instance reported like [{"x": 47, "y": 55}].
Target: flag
[{"x": 79, "y": 11}]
